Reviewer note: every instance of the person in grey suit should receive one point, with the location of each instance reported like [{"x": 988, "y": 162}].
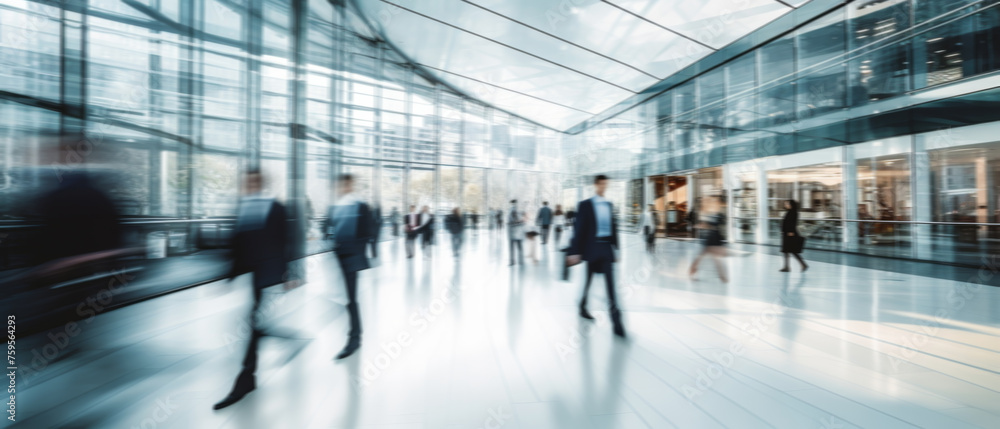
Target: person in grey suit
[
  {"x": 515, "y": 232},
  {"x": 260, "y": 248},
  {"x": 595, "y": 240},
  {"x": 352, "y": 227},
  {"x": 544, "y": 221}
]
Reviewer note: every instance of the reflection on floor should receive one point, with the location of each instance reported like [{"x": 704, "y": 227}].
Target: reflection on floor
[{"x": 483, "y": 345}]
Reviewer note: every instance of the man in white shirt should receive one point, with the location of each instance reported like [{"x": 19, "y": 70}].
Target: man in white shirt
[{"x": 595, "y": 240}]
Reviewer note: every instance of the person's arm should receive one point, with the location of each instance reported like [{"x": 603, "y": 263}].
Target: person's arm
[
  {"x": 366, "y": 224},
  {"x": 574, "y": 250}
]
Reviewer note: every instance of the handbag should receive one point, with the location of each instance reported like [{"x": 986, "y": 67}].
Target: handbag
[{"x": 798, "y": 242}]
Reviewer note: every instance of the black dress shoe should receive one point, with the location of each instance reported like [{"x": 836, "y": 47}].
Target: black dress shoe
[
  {"x": 585, "y": 314},
  {"x": 784, "y": 270},
  {"x": 352, "y": 346},
  {"x": 619, "y": 330},
  {"x": 235, "y": 396}
]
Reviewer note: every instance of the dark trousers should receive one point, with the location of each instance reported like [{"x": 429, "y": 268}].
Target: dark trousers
[
  {"x": 351, "y": 284},
  {"x": 603, "y": 264},
  {"x": 374, "y": 244},
  {"x": 545, "y": 233},
  {"x": 411, "y": 239},
  {"x": 456, "y": 243},
  {"x": 558, "y": 235},
  {"x": 395, "y": 229},
  {"x": 520, "y": 251},
  {"x": 246, "y": 377}
]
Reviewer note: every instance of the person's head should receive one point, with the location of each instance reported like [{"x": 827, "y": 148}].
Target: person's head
[
  {"x": 425, "y": 209},
  {"x": 600, "y": 184},
  {"x": 253, "y": 181},
  {"x": 345, "y": 184},
  {"x": 791, "y": 205},
  {"x": 513, "y": 203},
  {"x": 413, "y": 208},
  {"x": 455, "y": 211},
  {"x": 545, "y": 203}
]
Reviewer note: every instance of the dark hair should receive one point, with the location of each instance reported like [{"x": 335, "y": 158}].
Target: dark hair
[
  {"x": 793, "y": 204},
  {"x": 514, "y": 201},
  {"x": 599, "y": 178},
  {"x": 545, "y": 203},
  {"x": 252, "y": 171},
  {"x": 559, "y": 210},
  {"x": 346, "y": 177}
]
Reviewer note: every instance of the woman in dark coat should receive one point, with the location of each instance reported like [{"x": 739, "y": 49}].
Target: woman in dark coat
[{"x": 791, "y": 241}]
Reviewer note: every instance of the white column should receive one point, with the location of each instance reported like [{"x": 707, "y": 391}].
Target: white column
[
  {"x": 920, "y": 188},
  {"x": 762, "y": 191},
  {"x": 850, "y": 199}
]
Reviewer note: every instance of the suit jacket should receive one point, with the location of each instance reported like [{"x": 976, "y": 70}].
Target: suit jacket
[
  {"x": 263, "y": 248},
  {"x": 453, "y": 223},
  {"x": 544, "y": 216},
  {"x": 350, "y": 245},
  {"x": 585, "y": 233}
]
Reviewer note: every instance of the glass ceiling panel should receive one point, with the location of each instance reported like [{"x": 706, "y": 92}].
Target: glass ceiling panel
[
  {"x": 621, "y": 36},
  {"x": 495, "y": 64},
  {"x": 479, "y": 22},
  {"x": 559, "y": 62},
  {"x": 716, "y": 23},
  {"x": 541, "y": 111}
]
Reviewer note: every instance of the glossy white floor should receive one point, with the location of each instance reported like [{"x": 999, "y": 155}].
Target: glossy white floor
[{"x": 483, "y": 345}]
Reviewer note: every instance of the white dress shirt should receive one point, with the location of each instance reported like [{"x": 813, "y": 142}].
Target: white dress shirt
[{"x": 602, "y": 212}]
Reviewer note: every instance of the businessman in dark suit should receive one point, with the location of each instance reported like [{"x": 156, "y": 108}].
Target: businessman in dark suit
[
  {"x": 261, "y": 248},
  {"x": 595, "y": 240},
  {"x": 352, "y": 226},
  {"x": 544, "y": 221}
]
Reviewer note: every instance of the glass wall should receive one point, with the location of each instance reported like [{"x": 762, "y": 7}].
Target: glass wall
[
  {"x": 856, "y": 114},
  {"x": 175, "y": 98}
]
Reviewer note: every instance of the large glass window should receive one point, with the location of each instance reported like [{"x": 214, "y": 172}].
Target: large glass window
[{"x": 817, "y": 188}]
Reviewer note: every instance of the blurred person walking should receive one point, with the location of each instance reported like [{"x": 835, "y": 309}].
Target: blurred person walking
[
  {"x": 352, "y": 226},
  {"x": 453, "y": 223},
  {"x": 559, "y": 220},
  {"x": 394, "y": 220},
  {"x": 711, "y": 221},
  {"x": 544, "y": 221},
  {"x": 260, "y": 247},
  {"x": 413, "y": 224},
  {"x": 595, "y": 240},
  {"x": 515, "y": 232},
  {"x": 426, "y": 231},
  {"x": 649, "y": 228},
  {"x": 531, "y": 235},
  {"x": 791, "y": 241},
  {"x": 376, "y": 215}
]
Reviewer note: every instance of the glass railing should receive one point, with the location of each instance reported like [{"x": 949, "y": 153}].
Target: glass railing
[{"x": 963, "y": 243}]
